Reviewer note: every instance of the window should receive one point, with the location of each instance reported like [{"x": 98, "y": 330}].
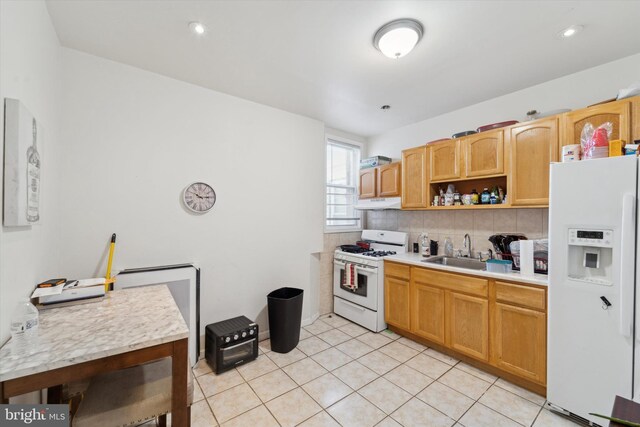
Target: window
[{"x": 343, "y": 161}]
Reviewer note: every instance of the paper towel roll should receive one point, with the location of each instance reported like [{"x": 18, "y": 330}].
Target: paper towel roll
[{"x": 526, "y": 257}]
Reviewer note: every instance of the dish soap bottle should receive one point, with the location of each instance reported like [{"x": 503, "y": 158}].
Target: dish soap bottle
[{"x": 448, "y": 247}]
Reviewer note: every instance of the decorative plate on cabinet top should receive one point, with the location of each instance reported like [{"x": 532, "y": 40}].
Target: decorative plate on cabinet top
[
  {"x": 496, "y": 125},
  {"x": 553, "y": 112},
  {"x": 463, "y": 133}
]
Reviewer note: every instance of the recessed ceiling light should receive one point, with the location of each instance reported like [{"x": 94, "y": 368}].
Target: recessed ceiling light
[
  {"x": 197, "y": 28},
  {"x": 571, "y": 31},
  {"x": 397, "y": 38}
]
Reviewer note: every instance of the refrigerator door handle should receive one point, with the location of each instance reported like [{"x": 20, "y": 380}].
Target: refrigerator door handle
[{"x": 627, "y": 265}]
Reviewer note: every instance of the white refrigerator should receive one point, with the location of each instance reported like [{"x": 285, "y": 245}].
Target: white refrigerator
[{"x": 593, "y": 354}]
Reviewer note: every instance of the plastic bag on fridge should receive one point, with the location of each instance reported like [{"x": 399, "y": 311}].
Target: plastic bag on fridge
[{"x": 595, "y": 142}]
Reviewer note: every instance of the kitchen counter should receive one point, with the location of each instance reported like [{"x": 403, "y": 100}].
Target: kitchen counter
[{"x": 417, "y": 260}]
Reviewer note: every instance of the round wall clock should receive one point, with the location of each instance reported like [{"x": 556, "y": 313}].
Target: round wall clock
[{"x": 199, "y": 197}]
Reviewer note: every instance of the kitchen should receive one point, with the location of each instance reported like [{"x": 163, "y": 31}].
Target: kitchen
[{"x": 116, "y": 121}]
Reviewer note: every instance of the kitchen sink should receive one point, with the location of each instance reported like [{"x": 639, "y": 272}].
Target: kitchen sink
[{"x": 472, "y": 264}]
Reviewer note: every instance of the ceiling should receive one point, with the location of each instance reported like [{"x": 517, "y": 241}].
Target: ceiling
[{"x": 316, "y": 58}]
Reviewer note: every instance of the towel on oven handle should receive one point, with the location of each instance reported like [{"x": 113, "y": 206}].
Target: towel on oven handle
[{"x": 350, "y": 278}]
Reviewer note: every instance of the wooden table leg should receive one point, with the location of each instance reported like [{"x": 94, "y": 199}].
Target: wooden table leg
[
  {"x": 4, "y": 400},
  {"x": 179, "y": 403}
]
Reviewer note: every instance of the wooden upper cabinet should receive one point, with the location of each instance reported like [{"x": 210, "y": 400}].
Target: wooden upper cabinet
[
  {"x": 389, "y": 180},
  {"x": 532, "y": 147},
  {"x": 618, "y": 113},
  {"x": 444, "y": 163},
  {"x": 635, "y": 118},
  {"x": 469, "y": 325},
  {"x": 368, "y": 183},
  {"x": 484, "y": 154},
  {"x": 414, "y": 178}
]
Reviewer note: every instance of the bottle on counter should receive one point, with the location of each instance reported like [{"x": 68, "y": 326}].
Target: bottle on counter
[
  {"x": 24, "y": 328},
  {"x": 485, "y": 197},
  {"x": 475, "y": 197},
  {"x": 425, "y": 250},
  {"x": 448, "y": 247}
]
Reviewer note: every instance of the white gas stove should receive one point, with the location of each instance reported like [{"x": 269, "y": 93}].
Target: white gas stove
[{"x": 358, "y": 277}]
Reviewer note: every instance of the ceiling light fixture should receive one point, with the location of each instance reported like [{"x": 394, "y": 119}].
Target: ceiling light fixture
[
  {"x": 571, "y": 31},
  {"x": 397, "y": 38},
  {"x": 197, "y": 28}
]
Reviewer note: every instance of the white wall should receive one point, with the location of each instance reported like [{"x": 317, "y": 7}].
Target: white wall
[
  {"x": 573, "y": 91},
  {"x": 133, "y": 140},
  {"x": 30, "y": 72}
]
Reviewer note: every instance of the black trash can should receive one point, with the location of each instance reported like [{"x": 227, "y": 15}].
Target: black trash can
[{"x": 285, "y": 316}]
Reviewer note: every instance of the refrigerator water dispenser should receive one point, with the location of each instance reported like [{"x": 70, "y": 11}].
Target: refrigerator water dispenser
[{"x": 590, "y": 256}]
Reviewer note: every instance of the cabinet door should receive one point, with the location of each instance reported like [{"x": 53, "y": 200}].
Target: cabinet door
[
  {"x": 427, "y": 312},
  {"x": 484, "y": 154},
  {"x": 414, "y": 178},
  {"x": 389, "y": 180},
  {"x": 444, "y": 160},
  {"x": 469, "y": 325},
  {"x": 368, "y": 180},
  {"x": 520, "y": 342},
  {"x": 396, "y": 302},
  {"x": 532, "y": 148},
  {"x": 618, "y": 113}
]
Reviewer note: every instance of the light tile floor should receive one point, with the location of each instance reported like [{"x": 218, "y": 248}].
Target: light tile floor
[{"x": 344, "y": 375}]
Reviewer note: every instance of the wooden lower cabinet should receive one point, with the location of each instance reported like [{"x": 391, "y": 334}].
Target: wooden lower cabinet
[
  {"x": 427, "y": 308},
  {"x": 520, "y": 341},
  {"x": 396, "y": 302},
  {"x": 469, "y": 325},
  {"x": 501, "y": 325}
]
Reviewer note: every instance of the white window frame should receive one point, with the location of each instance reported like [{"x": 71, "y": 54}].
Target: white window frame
[{"x": 347, "y": 142}]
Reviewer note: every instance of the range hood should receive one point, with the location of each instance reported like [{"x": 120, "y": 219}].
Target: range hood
[{"x": 379, "y": 204}]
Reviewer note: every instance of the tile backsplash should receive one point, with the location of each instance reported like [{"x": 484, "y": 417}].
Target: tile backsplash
[{"x": 479, "y": 224}]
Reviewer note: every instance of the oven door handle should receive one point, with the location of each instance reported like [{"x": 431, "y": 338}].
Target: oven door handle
[
  {"x": 365, "y": 268},
  {"x": 238, "y": 345}
]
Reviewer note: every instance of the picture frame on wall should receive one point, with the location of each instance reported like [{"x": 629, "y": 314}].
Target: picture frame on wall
[{"x": 22, "y": 165}]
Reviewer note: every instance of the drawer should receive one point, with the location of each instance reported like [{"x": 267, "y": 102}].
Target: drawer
[
  {"x": 400, "y": 271},
  {"x": 453, "y": 282},
  {"x": 521, "y": 295}
]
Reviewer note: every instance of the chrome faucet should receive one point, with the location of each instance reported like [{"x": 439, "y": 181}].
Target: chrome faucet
[{"x": 467, "y": 246}]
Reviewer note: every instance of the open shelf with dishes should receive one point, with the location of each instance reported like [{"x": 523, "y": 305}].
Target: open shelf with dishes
[{"x": 466, "y": 187}]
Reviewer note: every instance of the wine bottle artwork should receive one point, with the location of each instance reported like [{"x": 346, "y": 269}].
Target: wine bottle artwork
[
  {"x": 33, "y": 178},
  {"x": 22, "y": 166}
]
